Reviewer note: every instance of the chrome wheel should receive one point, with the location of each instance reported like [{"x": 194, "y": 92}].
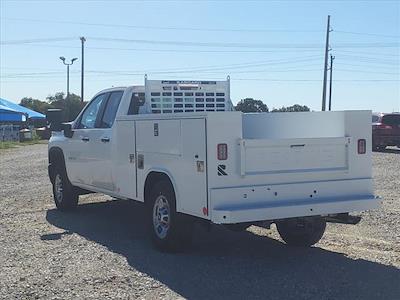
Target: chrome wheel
[
  {"x": 58, "y": 188},
  {"x": 161, "y": 216}
]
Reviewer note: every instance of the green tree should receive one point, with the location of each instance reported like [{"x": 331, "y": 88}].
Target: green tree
[
  {"x": 293, "y": 108},
  {"x": 71, "y": 106},
  {"x": 35, "y": 104},
  {"x": 251, "y": 105}
]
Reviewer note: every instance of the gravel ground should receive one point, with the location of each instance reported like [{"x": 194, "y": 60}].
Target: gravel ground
[{"x": 101, "y": 250}]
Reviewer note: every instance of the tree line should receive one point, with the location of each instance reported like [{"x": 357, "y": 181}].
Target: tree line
[
  {"x": 70, "y": 106},
  {"x": 253, "y": 105},
  {"x": 73, "y": 105}
]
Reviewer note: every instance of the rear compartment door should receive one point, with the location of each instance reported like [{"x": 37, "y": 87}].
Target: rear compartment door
[
  {"x": 193, "y": 191},
  {"x": 274, "y": 156}
]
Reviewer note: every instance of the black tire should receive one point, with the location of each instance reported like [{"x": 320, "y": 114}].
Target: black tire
[
  {"x": 303, "y": 232},
  {"x": 64, "y": 194},
  {"x": 169, "y": 231},
  {"x": 238, "y": 227}
]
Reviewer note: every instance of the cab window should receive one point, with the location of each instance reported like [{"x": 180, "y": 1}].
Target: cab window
[
  {"x": 110, "y": 110},
  {"x": 89, "y": 116},
  {"x": 137, "y": 101}
]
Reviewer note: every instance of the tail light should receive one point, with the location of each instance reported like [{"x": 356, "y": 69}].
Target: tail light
[
  {"x": 362, "y": 146},
  {"x": 222, "y": 151},
  {"x": 381, "y": 126}
]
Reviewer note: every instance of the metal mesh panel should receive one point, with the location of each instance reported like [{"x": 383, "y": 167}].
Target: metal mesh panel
[{"x": 187, "y": 96}]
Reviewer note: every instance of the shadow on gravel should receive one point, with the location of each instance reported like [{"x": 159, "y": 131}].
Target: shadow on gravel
[{"x": 228, "y": 265}]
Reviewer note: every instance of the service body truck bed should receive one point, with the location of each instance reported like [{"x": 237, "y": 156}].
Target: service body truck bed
[{"x": 224, "y": 167}]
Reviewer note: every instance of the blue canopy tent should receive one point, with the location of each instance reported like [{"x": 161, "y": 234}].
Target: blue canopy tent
[
  {"x": 9, "y": 115},
  {"x": 8, "y": 108}
]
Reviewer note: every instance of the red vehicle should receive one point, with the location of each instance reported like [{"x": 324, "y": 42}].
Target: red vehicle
[{"x": 385, "y": 130}]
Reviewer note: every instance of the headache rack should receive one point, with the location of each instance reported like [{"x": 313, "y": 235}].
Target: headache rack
[{"x": 177, "y": 96}]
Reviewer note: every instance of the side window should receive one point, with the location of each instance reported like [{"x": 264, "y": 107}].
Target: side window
[
  {"x": 111, "y": 110},
  {"x": 137, "y": 100},
  {"x": 88, "y": 119}
]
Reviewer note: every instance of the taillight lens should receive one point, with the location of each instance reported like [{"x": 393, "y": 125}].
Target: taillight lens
[
  {"x": 222, "y": 151},
  {"x": 362, "y": 146}
]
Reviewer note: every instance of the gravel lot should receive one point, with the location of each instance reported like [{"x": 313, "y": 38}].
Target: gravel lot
[{"x": 101, "y": 251}]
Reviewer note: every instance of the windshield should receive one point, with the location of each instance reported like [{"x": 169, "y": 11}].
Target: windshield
[{"x": 391, "y": 120}]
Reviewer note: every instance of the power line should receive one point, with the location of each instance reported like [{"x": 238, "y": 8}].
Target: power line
[
  {"x": 160, "y": 27},
  {"x": 179, "y": 50},
  {"x": 206, "y": 44},
  {"x": 185, "y": 70},
  {"x": 386, "y": 67},
  {"x": 243, "y": 45},
  {"x": 371, "y": 60},
  {"x": 369, "y": 34},
  {"x": 126, "y": 73},
  {"x": 261, "y": 30},
  {"x": 30, "y": 41},
  {"x": 368, "y": 53}
]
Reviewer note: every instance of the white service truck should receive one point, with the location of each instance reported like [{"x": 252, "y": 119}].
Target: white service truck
[{"x": 178, "y": 147}]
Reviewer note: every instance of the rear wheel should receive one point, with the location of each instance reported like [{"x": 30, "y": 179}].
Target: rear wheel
[
  {"x": 301, "y": 231},
  {"x": 169, "y": 230},
  {"x": 64, "y": 194}
]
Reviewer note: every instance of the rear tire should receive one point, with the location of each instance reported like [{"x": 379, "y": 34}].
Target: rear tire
[
  {"x": 378, "y": 148},
  {"x": 238, "y": 227},
  {"x": 170, "y": 231},
  {"x": 64, "y": 194},
  {"x": 303, "y": 232}
]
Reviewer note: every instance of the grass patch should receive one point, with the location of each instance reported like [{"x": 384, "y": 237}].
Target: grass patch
[{"x": 9, "y": 145}]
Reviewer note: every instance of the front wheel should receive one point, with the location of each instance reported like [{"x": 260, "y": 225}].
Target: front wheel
[
  {"x": 170, "y": 231},
  {"x": 303, "y": 232},
  {"x": 65, "y": 197}
]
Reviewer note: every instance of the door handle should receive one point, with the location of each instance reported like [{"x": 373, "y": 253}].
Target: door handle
[
  {"x": 85, "y": 139},
  {"x": 297, "y": 146},
  {"x": 105, "y": 139}
]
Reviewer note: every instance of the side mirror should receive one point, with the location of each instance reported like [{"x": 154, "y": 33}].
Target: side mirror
[
  {"x": 54, "y": 118},
  {"x": 68, "y": 132}
]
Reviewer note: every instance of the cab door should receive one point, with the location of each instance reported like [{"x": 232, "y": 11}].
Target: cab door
[
  {"x": 101, "y": 144},
  {"x": 78, "y": 149}
]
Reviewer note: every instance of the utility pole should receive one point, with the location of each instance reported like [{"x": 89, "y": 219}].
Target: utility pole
[
  {"x": 330, "y": 83},
  {"x": 326, "y": 64},
  {"x": 83, "y": 40}
]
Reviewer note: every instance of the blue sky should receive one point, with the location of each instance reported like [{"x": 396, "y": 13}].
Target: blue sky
[{"x": 273, "y": 50}]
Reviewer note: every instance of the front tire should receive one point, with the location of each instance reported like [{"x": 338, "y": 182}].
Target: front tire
[
  {"x": 170, "y": 231},
  {"x": 303, "y": 232},
  {"x": 64, "y": 194}
]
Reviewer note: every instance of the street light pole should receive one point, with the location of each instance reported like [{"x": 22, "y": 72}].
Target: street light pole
[
  {"x": 67, "y": 82},
  {"x": 67, "y": 64}
]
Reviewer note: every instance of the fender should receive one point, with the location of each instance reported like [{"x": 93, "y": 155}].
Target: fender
[
  {"x": 57, "y": 152},
  {"x": 165, "y": 172}
]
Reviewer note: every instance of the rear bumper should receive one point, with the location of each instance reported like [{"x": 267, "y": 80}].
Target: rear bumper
[
  {"x": 252, "y": 204},
  {"x": 274, "y": 211}
]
